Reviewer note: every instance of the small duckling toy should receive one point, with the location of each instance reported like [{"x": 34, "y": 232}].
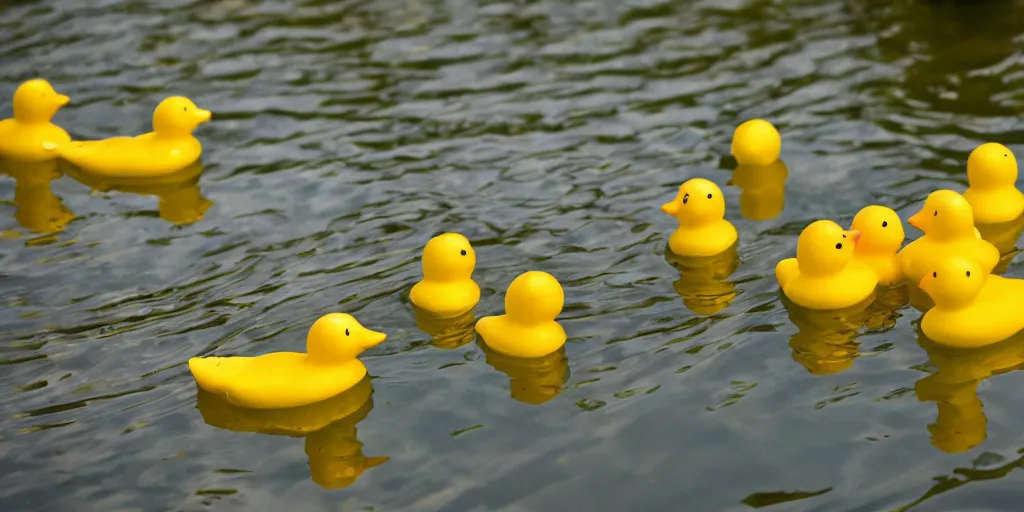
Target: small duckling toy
[
  {"x": 528, "y": 328},
  {"x": 292, "y": 379},
  {"x": 756, "y": 142},
  {"x": 972, "y": 307},
  {"x": 700, "y": 209},
  {"x": 30, "y": 136},
  {"x": 992, "y": 190},
  {"x": 948, "y": 224},
  {"x": 825, "y": 275},
  {"x": 447, "y": 288},
  {"x": 168, "y": 148},
  {"x": 762, "y": 189},
  {"x": 881, "y": 237}
]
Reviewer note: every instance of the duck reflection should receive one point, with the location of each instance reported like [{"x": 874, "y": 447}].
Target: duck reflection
[
  {"x": 762, "y": 189},
  {"x": 704, "y": 282},
  {"x": 961, "y": 423},
  {"x": 38, "y": 209},
  {"x": 180, "y": 200},
  {"x": 826, "y": 341},
  {"x": 335, "y": 454},
  {"x": 884, "y": 311},
  {"x": 532, "y": 381},
  {"x": 447, "y": 332},
  {"x": 1004, "y": 236}
]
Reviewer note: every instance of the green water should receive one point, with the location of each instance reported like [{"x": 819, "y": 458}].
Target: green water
[{"x": 346, "y": 134}]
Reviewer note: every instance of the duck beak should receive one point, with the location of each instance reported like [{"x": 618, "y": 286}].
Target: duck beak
[
  {"x": 925, "y": 281},
  {"x": 671, "y": 208},
  {"x": 61, "y": 100},
  {"x": 203, "y": 115},
  {"x": 372, "y": 339},
  {"x": 855, "y": 235},
  {"x": 916, "y": 220}
]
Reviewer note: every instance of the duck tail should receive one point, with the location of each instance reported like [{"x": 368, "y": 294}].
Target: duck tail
[
  {"x": 786, "y": 270},
  {"x": 209, "y": 373}
]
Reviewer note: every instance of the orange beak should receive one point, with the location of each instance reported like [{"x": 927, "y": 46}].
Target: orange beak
[
  {"x": 916, "y": 220},
  {"x": 855, "y": 235},
  {"x": 925, "y": 281},
  {"x": 62, "y": 100},
  {"x": 671, "y": 208}
]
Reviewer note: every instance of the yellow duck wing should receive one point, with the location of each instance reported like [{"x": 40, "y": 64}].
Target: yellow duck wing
[
  {"x": 987, "y": 255},
  {"x": 786, "y": 270}
]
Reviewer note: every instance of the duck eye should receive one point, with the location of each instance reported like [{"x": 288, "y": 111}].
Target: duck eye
[
  {"x": 936, "y": 214},
  {"x": 839, "y": 245},
  {"x": 346, "y": 332},
  {"x": 968, "y": 273},
  {"x": 935, "y": 274},
  {"x": 709, "y": 196},
  {"x": 462, "y": 252},
  {"x": 184, "y": 109},
  {"x": 686, "y": 197},
  {"x": 885, "y": 223}
]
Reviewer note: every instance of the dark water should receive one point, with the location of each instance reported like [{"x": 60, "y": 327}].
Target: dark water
[{"x": 346, "y": 134}]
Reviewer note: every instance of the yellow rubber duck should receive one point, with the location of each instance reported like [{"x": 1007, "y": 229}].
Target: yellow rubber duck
[
  {"x": 170, "y": 147},
  {"x": 699, "y": 207},
  {"x": 704, "y": 282},
  {"x": 756, "y": 142},
  {"x": 762, "y": 189},
  {"x": 446, "y": 332},
  {"x": 447, "y": 288},
  {"x": 972, "y": 308},
  {"x": 38, "y": 208},
  {"x": 826, "y": 341},
  {"x": 531, "y": 381},
  {"x": 881, "y": 237},
  {"x": 292, "y": 379},
  {"x": 825, "y": 275},
  {"x": 948, "y": 225},
  {"x": 30, "y": 136},
  {"x": 335, "y": 453},
  {"x": 528, "y": 328},
  {"x": 992, "y": 180}
]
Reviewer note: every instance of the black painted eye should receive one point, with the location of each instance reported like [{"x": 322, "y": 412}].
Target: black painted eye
[
  {"x": 935, "y": 274},
  {"x": 844, "y": 236},
  {"x": 1004, "y": 154},
  {"x": 709, "y": 196},
  {"x": 839, "y": 245},
  {"x": 936, "y": 214},
  {"x": 885, "y": 223},
  {"x": 184, "y": 109},
  {"x": 686, "y": 197},
  {"x": 346, "y": 332},
  {"x": 968, "y": 273},
  {"x": 462, "y": 252}
]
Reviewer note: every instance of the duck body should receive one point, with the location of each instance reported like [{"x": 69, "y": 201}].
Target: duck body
[
  {"x": 824, "y": 275},
  {"x": 447, "y": 288},
  {"x": 992, "y": 316},
  {"x": 710, "y": 239},
  {"x": 992, "y": 190},
  {"x": 699, "y": 207},
  {"x": 30, "y": 136},
  {"x": 854, "y": 284},
  {"x": 528, "y": 328}
]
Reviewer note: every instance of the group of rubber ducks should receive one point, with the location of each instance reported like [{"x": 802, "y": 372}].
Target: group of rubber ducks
[{"x": 164, "y": 162}]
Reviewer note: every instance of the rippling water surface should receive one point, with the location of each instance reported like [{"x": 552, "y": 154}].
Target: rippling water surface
[{"x": 346, "y": 134}]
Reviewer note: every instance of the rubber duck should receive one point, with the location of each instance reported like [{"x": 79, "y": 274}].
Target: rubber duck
[
  {"x": 961, "y": 423},
  {"x": 38, "y": 208},
  {"x": 762, "y": 189},
  {"x": 447, "y": 287},
  {"x": 699, "y": 207},
  {"x": 30, "y": 136},
  {"x": 992, "y": 180},
  {"x": 948, "y": 225},
  {"x": 704, "y": 282},
  {"x": 756, "y": 142},
  {"x": 881, "y": 237},
  {"x": 446, "y": 332},
  {"x": 170, "y": 147},
  {"x": 531, "y": 381},
  {"x": 292, "y": 379},
  {"x": 972, "y": 308},
  {"x": 332, "y": 445},
  {"x": 528, "y": 328},
  {"x": 826, "y": 341},
  {"x": 825, "y": 275}
]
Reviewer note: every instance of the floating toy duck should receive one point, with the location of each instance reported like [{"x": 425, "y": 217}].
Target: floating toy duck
[
  {"x": 826, "y": 341},
  {"x": 528, "y": 328},
  {"x": 948, "y": 225},
  {"x": 972, "y": 308},
  {"x": 532, "y": 381},
  {"x": 447, "y": 332},
  {"x": 881, "y": 237},
  {"x": 292, "y": 379},
  {"x": 704, "y": 282},
  {"x": 756, "y": 142},
  {"x": 992, "y": 176},
  {"x": 762, "y": 189},
  {"x": 700, "y": 209},
  {"x": 30, "y": 136},
  {"x": 447, "y": 288},
  {"x": 335, "y": 453},
  {"x": 38, "y": 208},
  {"x": 170, "y": 147},
  {"x": 825, "y": 274}
]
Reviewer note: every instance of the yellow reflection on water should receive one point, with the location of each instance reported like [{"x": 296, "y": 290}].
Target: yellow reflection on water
[
  {"x": 762, "y": 189},
  {"x": 38, "y": 209},
  {"x": 961, "y": 423},
  {"x": 1004, "y": 236},
  {"x": 180, "y": 200},
  {"x": 704, "y": 282},
  {"x": 447, "y": 332},
  {"x": 826, "y": 341},
  {"x": 335, "y": 453},
  {"x": 531, "y": 381}
]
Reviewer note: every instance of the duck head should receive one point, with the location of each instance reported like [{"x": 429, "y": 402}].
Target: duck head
[
  {"x": 946, "y": 214},
  {"x": 756, "y": 142},
  {"x": 448, "y": 257},
  {"x": 177, "y": 115},
  {"x": 338, "y": 337},
  {"x": 35, "y": 101},
  {"x": 881, "y": 230},
  {"x": 825, "y": 248},
  {"x": 698, "y": 201},
  {"x": 991, "y": 165},
  {"x": 534, "y": 297},
  {"x": 954, "y": 282}
]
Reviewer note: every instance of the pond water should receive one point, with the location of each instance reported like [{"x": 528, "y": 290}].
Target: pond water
[{"x": 346, "y": 134}]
